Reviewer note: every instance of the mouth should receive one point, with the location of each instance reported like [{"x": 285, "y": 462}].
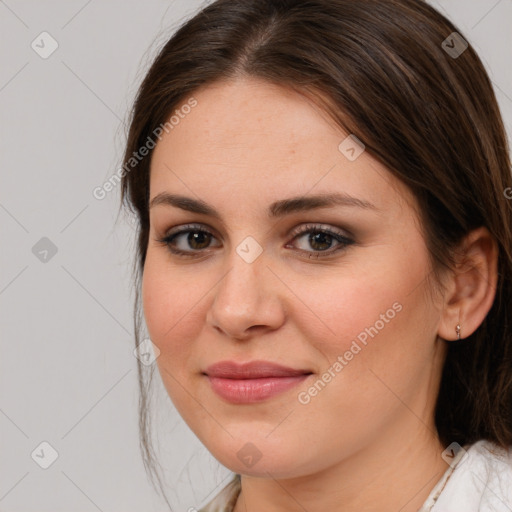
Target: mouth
[{"x": 252, "y": 382}]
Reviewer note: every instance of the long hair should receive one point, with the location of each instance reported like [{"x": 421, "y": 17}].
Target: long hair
[{"x": 393, "y": 73}]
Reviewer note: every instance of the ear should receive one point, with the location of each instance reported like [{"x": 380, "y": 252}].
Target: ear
[{"x": 471, "y": 288}]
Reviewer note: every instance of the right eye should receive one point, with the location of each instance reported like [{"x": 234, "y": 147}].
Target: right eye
[{"x": 197, "y": 240}]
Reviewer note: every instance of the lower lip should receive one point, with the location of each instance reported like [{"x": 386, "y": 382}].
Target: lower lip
[{"x": 247, "y": 391}]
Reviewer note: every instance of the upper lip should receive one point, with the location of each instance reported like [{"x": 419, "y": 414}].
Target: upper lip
[{"x": 251, "y": 370}]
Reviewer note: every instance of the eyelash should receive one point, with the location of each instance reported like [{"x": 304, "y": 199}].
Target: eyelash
[{"x": 303, "y": 230}]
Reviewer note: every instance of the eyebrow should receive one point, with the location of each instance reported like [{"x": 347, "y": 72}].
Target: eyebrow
[{"x": 275, "y": 210}]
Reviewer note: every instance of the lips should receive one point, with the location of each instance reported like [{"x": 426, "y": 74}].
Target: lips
[
  {"x": 251, "y": 382},
  {"x": 251, "y": 370}
]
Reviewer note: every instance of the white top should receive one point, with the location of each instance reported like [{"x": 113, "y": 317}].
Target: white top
[{"x": 478, "y": 479}]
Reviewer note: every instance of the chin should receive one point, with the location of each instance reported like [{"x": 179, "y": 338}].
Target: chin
[{"x": 260, "y": 457}]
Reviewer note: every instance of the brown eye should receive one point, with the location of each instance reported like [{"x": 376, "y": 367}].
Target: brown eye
[
  {"x": 321, "y": 240},
  {"x": 192, "y": 240},
  {"x": 187, "y": 240}
]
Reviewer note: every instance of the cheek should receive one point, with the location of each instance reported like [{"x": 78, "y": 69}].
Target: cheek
[
  {"x": 171, "y": 314},
  {"x": 376, "y": 315},
  {"x": 337, "y": 309},
  {"x": 379, "y": 351},
  {"x": 171, "y": 305}
]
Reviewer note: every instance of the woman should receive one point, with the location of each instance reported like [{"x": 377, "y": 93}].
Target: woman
[{"x": 324, "y": 255}]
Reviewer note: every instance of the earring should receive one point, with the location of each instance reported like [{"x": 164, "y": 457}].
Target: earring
[{"x": 457, "y": 330}]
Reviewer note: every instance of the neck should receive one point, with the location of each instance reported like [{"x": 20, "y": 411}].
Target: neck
[{"x": 391, "y": 474}]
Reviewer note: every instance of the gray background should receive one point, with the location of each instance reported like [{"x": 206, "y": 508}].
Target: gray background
[{"x": 67, "y": 369}]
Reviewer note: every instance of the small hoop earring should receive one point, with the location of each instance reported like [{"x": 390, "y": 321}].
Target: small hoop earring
[{"x": 457, "y": 330}]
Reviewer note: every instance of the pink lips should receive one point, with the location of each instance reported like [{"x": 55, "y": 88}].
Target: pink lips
[{"x": 252, "y": 382}]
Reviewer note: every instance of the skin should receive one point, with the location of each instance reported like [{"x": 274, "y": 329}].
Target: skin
[{"x": 367, "y": 440}]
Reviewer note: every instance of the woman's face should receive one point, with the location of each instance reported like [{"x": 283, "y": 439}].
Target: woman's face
[{"x": 337, "y": 294}]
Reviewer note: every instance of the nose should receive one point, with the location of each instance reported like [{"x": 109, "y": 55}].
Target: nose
[{"x": 246, "y": 300}]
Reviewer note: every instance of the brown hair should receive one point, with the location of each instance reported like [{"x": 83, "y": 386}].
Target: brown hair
[{"x": 379, "y": 69}]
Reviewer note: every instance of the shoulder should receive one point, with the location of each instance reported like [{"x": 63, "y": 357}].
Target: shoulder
[
  {"x": 481, "y": 481},
  {"x": 226, "y": 499}
]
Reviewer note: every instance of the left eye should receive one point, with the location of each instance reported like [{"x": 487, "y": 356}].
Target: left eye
[{"x": 320, "y": 239}]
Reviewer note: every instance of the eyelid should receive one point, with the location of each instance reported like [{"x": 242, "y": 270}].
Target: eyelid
[
  {"x": 343, "y": 241},
  {"x": 311, "y": 226},
  {"x": 189, "y": 227},
  {"x": 302, "y": 228}
]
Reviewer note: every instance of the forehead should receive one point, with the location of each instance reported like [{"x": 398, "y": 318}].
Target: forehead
[{"x": 254, "y": 140}]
